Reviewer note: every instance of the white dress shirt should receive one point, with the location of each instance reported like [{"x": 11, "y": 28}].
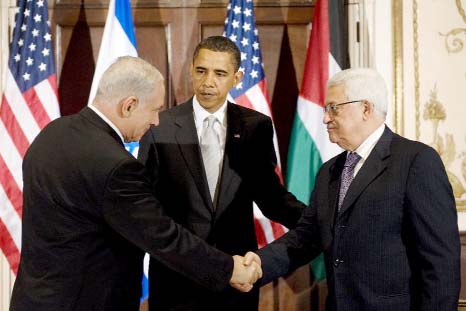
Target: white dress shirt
[
  {"x": 113, "y": 126},
  {"x": 220, "y": 127},
  {"x": 365, "y": 149}
]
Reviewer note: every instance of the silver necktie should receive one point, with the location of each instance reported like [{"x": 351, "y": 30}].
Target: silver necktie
[{"x": 210, "y": 148}]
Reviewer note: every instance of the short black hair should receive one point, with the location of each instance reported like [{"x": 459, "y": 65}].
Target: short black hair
[{"x": 220, "y": 44}]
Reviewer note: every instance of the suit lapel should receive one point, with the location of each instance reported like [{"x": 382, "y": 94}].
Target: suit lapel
[
  {"x": 230, "y": 180},
  {"x": 372, "y": 167},
  {"x": 188, "y": 142},
  {"x": 334, "y": 185}
]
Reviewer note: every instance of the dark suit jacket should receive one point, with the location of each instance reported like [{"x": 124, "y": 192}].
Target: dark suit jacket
[
  {"x": 395, "y": 243},
  {"x": 88, "y": 211},
  {"x": 171, "y": 151}
]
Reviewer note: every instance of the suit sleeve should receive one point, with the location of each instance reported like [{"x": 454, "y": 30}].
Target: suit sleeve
[
  {"x": 432, "y": 235},
  {"x": 275, "y": 202},
  {"x": 131, "y": 209},
  {"x": 147, "y": 154},
  {"x": 294, "y": 249}
]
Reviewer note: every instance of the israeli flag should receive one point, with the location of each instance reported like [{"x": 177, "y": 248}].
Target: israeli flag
[{"x": 119, "y": 40}]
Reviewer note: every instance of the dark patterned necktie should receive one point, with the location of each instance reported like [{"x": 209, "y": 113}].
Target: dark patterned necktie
[{"x": 347, "y": 176}]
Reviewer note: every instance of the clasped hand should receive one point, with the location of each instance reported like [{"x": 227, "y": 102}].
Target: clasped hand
[{"x": 246, "y": 271}]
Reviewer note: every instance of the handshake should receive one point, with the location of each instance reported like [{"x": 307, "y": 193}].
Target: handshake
[{"x": 246, "y": 271}]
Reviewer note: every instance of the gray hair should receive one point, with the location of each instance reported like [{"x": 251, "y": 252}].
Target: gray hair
[
  {"x": 128, "y": 76},
  {"x": 363, "y": 84}
]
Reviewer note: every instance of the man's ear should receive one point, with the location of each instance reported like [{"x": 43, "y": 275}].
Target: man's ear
[
  {"x": 128, "y": 105},
  {"x": 238, "y": 77},
  {"x": 368, "y": 109}
]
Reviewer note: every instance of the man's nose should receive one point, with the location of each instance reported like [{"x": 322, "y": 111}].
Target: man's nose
[
  {"x": 209, "y": 79},
  {"x": 327, "y": 117}
]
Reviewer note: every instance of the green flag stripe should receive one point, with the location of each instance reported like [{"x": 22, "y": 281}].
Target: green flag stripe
[{"x": 304, "y": 161}]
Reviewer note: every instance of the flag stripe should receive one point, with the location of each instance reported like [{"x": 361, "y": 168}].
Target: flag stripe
[
  {"x": 302, "y": 169},
  {"x": 20, "y": 108},
  {"x": 124, "y": 17},
  {"x": 35, "y": 105},
  {"x": 243, "y": 100},
  {"x": 11, "y": 219},
  {"x": 10, "y": 188},
  {"x": 265, "y": 224},
  {"x": 338, "y": 34},
  {"x": 277, "y": 229},
  {"x": 9, "y": 247},
  {"x": 14, "y": 128},
  {"x": 313, "y": 85},
  {"x": 260, "y": 234},
  {"x": 11, "y": 157},
  {"x": 48, "y": 98},
  {"x": 256, "y": 95}
]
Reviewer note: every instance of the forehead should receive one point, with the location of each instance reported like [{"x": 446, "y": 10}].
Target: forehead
[
  {"x": 213, "y": 60},
  {"x": 156, "y": 97},
  {"x": 335, "y": 93}
]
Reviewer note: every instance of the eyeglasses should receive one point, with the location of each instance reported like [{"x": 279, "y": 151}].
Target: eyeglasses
[{"x": 332, "y": 109}]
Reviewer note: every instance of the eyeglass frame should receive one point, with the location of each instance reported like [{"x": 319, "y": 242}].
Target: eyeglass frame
[{"x": 332, "y": 109}]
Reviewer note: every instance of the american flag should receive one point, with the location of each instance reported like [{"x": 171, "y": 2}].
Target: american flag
[
  {"x": 28, "y": 104},
  {"x": 251, "y": 92}
]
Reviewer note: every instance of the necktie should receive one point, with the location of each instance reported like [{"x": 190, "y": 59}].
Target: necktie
[
  {"x": 347, "y": 176},
  {"x": 210, "y": 148}
]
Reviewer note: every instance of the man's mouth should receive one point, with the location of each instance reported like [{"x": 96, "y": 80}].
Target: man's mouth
[{"x": 207, "y": 94}]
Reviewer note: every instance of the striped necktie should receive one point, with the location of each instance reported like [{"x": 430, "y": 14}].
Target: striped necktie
[{"x": 347, "y": 176}]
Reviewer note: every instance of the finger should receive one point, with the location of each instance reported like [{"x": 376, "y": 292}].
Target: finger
[
  {"x": 251, "y": 257},
  {"x": 257, "y": 272},
  {"x": 246, "y": 287}
]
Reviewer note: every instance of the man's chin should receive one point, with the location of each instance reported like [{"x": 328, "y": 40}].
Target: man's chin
[{"x": 332, "y": 138}]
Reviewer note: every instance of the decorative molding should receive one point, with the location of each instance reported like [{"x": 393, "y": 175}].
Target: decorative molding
[
  {"x": 93, "y": 4},
  {"x": 459, "y": 6},
  {"x": 445, "y": 145},
  {"x": 452, "y": 43},
  {"x": 398, "y": 82},
  {"x": 416, "y": 71}
]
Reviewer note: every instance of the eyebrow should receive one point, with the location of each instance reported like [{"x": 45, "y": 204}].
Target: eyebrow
[{"x": 215, "y": 70}]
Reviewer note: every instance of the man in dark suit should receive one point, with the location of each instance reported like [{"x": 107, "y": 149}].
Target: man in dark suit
[
  {"x": 89, "y": 212},
  {"x": 383, "y": 212},
  {"x": 219, "y": 212}
]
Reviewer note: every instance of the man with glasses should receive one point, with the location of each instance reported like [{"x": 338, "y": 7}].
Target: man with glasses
[{"x": 383, "y": 212}]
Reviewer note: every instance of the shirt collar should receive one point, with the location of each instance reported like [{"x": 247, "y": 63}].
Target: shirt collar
[
  {"x": 107, "y": 120},
  {"x": 200, "y": 113},
  {"x": 366, "y": 147}
]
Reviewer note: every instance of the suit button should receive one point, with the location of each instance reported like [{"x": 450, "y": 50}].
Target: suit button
[{"x": 337, "y": 262}]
